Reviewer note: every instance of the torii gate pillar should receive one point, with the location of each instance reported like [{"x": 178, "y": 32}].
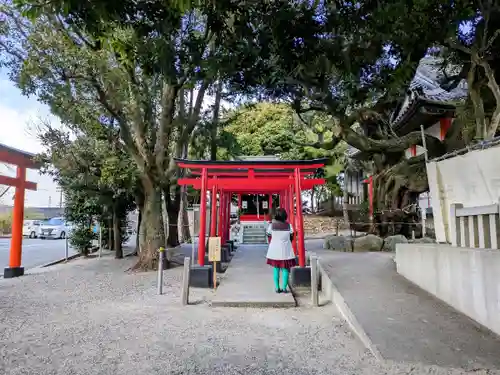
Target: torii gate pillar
[{"x": 23, "y": 161}]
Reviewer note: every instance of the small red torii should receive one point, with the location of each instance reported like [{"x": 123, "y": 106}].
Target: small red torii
[
  {"x": 225, "y": 178},
  {"x": 23, "y": 161}
]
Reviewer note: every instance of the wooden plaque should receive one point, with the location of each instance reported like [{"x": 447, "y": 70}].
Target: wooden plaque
[{"x": 214, "y": 249}]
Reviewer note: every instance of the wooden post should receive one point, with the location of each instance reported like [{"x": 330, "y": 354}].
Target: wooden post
[
  {"x": 213, "y": 215},
  {"x": 291, "y": 219},
  {"x": 300, "y": 223},
  {"x": 314, "y": 280},
  {"x": 203, "y": 217},
  {"x": 222, "y": 211},
  {"x": 160, "y": 270},
  {"x": 185, "y": 281},
  {"x": 215, "y": 275},
  {"x": 454, "y": 225}
]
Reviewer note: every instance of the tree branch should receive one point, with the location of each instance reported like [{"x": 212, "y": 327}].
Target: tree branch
[
  {"x": 460, "y": 47},
  {"x": 368, "y": 145}
]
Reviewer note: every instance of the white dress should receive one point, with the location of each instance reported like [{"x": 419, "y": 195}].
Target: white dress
[{"x": 280, "y": 247}]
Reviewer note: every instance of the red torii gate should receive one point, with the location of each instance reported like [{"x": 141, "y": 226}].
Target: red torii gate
[
  {"x": 22, "y": 160},
  {"x": 225, "y": 178}
]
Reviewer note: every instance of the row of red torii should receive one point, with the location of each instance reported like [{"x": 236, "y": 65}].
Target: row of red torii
[{"x": 287, "y": 178}]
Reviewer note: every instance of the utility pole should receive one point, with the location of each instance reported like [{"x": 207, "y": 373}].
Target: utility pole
[{"x": 60, "y": 191}]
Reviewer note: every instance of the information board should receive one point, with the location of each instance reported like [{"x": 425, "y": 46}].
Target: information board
[{"x": 214, "y": 249}]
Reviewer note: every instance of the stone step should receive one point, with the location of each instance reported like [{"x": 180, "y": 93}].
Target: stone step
[
  {"x": 257, "y": 235},
  {"x": 264, "y": 242},
  {"x": 260, "y": 232}
]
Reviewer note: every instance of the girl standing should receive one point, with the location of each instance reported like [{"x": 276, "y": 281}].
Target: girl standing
[{"x": 280, "y": 253}]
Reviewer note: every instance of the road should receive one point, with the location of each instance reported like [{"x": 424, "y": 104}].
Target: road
[{"x": 36, "y": 252}]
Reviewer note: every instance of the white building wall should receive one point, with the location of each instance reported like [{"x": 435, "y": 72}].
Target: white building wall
[
  {"x": 472, "y": 179},
  {"x": 466, "y": 279}
]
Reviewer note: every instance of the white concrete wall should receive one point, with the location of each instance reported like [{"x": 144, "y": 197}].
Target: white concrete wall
[
  {"x": 472, "y": 179},
  {"x": 466, "y": 279}
]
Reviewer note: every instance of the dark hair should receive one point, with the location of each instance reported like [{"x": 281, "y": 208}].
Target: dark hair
[{"x": 280, "y": 215}]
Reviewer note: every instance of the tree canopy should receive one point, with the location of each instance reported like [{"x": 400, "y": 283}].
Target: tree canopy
[{"x": 135, "y": 75}]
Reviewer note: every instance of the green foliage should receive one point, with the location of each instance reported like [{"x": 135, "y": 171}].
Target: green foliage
[
  {"x": 275, "y": 129},
  {"x": 95, "y": 178},
  {"x": 81, "y": 238},
  {"x": 6, "y": 223}
]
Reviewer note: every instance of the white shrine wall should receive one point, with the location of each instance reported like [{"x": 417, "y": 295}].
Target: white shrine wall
[{"x": 471, "y": 179}]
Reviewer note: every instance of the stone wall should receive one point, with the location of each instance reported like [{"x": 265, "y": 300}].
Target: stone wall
[
  {"x": 314, "y": 224},
  {"x": 465, "y": 278}
]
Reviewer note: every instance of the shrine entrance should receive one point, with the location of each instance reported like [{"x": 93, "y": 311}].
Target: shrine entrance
[
  {"x": 23, "y": 161},
  {"x": 267, "y": 181}
]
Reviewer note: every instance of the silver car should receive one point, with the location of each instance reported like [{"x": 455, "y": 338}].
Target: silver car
[{"x": 56, "y": 227}]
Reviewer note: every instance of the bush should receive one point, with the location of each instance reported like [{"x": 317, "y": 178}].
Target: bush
[
  {"x": 81, "y": 238},
  {"x": 5, "y": 223}
]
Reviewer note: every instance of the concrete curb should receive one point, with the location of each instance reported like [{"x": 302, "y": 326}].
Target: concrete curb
[
  {"x": 338, "y": 300},
  {"x": 61, "y": 260}
]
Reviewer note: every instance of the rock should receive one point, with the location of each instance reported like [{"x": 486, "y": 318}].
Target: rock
[
  {"x": 391, "y": 241},
  {"x": 423, "y": 240},
  {"x": 370, "y": 242},
  {"x": 339, "y": 243}
]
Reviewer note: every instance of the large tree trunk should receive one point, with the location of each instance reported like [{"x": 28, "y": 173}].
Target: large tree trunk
[
  {"x": 215, "y": 121},
  {"x": 173, "y": 207},
  {"x": 152, "y": 235},
  {"x": 184, "y": 218},
  {"x": 117, "y": 234},
  {"x": 139, "y": 201},
  {"x": 138, "y": 230},
  {"x": 111, "y": 245}
]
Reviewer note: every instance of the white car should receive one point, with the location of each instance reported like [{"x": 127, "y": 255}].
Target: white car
[
  {"x": 56, "y": 227},
  {"x": 31, "y": 228}
]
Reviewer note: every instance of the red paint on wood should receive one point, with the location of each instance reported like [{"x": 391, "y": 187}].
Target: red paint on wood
[
  {"x": 13, "y": 181},
  {"x": 251, "y": 166},
  {"x": 213, "y": 214},
  {"x": 445, "y": 125},
  {"x": 413, "y": 150},
  {"x": 203, "y": 219},
  {"x": 16, "y": 242},
  {"x": 249, "y": 184}
]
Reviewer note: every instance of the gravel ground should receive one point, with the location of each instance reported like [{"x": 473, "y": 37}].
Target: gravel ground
[{"x": 91, "y": 317}]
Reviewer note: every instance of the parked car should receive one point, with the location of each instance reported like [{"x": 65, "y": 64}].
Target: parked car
[
  {"x": 56, "y": 227},
  {"x": 31, "y": 228}
]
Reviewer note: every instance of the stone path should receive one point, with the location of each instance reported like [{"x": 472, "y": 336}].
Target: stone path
[
  {"x": 248, "y": 281},
  {"x": 91, "y": 317},
  {"x": 404, "y": 322}
]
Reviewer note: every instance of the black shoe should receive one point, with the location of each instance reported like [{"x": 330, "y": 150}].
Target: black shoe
[
  {"x": 278, "y": 291},
  {"x": 284, "y": 291}
]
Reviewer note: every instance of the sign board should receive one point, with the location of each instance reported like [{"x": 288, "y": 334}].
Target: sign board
[
  {"x": 214, "y": 248},
  {"x": 265, "y": 205},
  {"x": 244, "y": 204}
]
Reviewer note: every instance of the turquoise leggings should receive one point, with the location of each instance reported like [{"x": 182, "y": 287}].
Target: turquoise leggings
[{"x": 286, "y": 274}]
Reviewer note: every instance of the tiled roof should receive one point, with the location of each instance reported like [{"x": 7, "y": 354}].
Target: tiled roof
[{"x": 426, "y": 85}]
